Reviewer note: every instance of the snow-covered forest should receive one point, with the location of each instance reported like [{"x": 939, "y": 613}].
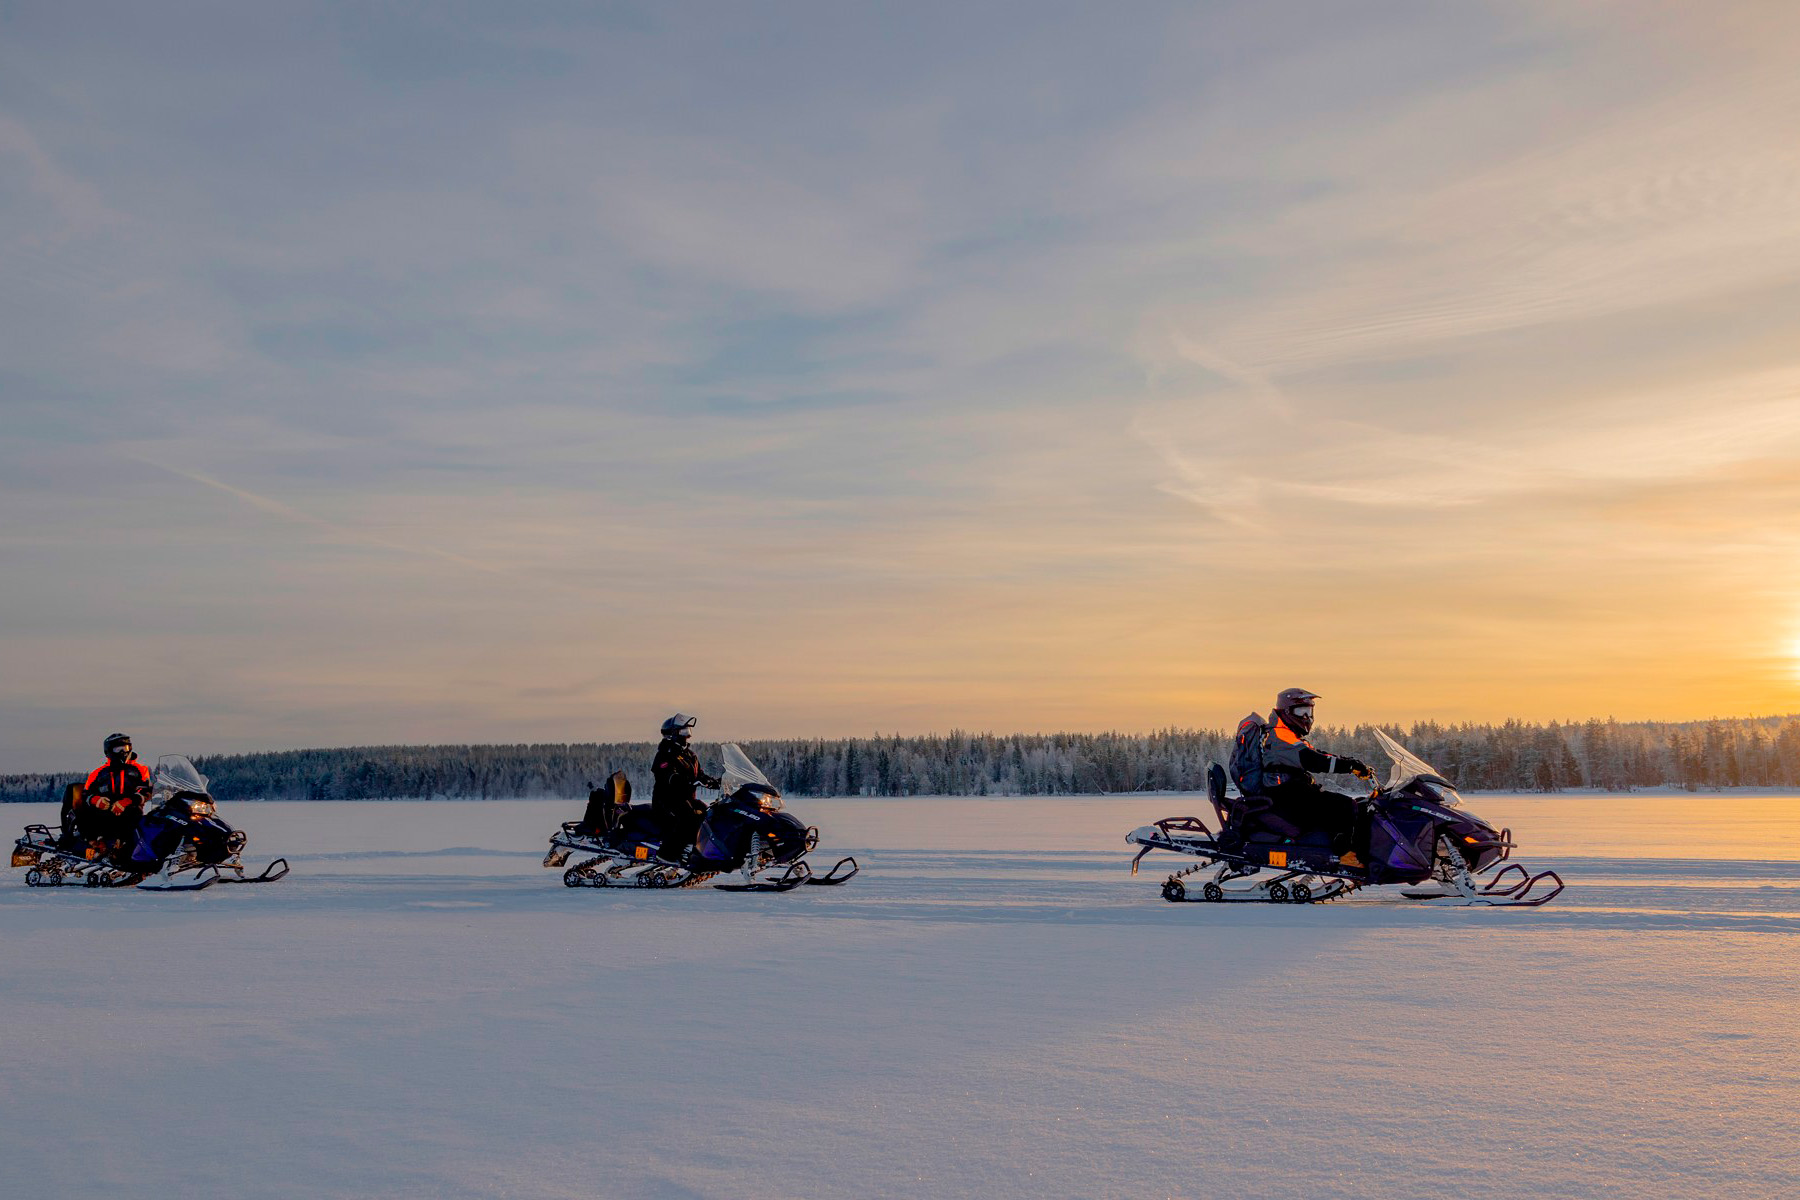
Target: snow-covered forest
[{"x": 1516, "y": 756}]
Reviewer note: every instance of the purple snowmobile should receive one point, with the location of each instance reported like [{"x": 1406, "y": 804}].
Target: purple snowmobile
[{"x": 1418, "y": 834}]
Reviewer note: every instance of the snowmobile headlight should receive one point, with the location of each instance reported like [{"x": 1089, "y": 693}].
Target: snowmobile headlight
[{"x": 202, "y": 808}]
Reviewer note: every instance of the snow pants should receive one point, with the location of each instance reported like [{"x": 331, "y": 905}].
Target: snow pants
[
  {"x": 1311, "y": 807},
  {"x": 679, "y": 821}
]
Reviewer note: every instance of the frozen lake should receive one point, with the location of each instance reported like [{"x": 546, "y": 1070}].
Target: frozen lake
[{"x": 995, "y": 1008}]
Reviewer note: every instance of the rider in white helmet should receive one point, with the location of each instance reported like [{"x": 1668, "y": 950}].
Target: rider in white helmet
[{"x": 677, "y": 809}]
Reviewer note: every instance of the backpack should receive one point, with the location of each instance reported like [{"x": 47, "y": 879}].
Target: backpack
[
  {"x": 1247, "y": 755},
  {"x": 607, "y": 804}
]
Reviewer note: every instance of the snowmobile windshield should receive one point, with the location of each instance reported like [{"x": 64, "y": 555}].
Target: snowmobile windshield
[
  {"x": 173, "y": 774},
  {"x": 740, "y": 772},
  {"x": 1409, "y": 767}
]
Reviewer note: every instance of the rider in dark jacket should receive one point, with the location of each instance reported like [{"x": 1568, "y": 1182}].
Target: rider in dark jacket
[
  {"x": 677, "y": 810},
  {"x": 1289, "y": 764},
  {"x": 108, "y": 804}
]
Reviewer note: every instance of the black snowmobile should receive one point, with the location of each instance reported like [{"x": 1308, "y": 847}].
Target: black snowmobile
[
  {"x": 1419, "y": 834},
  {"x": 745, "y": 832},
  {"x": 180, "y": 843}
]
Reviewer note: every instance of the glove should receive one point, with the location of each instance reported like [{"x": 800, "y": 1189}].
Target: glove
[
  {"x": 119, "y": 807},
  {"x": 1358, "y": 768}
]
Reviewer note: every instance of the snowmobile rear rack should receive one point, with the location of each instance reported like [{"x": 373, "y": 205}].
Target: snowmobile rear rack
[{"x": 1170, "y": 826}]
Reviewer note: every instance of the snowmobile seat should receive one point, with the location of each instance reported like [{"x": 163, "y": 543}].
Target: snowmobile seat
[
  {"x": 1258, "y": 821},
  {"x": 636, "y": 826},
  {"x": 1247, "y": 818},
  {"x": 1252, "y": 821}
]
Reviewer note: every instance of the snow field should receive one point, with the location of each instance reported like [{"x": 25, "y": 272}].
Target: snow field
[{"x": 995, "y": 1008}]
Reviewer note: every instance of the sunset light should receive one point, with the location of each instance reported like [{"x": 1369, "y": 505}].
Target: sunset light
[
  {"x": 902, "y": 599},
  {"x": 1465, "y": 400}
]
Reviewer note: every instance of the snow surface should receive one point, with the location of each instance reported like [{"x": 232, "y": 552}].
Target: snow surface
[{"x": 996, "y": 1008}]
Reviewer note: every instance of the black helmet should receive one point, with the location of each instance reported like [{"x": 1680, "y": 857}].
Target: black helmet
[
  {"x": 118, "y": 747},
  {"x": 1295, "y": 707},
  {"x": 676, "y": 727}
]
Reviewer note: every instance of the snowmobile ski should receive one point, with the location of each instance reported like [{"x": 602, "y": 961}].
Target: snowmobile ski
[
  {"x": 1462, "y": 888},
  {"x": 177, "y": 876},
  {"x": 796, "y": 873},
  {"x": 831, "y": 878}
]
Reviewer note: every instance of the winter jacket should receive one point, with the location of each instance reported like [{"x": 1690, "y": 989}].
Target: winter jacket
[
  {"x": 1289, "y": 759},
  {"x": 117, "y": 787},
  {"x": 678, "y": 776}
]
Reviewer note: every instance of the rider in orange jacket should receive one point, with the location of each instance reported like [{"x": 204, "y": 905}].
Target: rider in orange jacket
[
  {"x": 112, "y": 798},
  {"x": 1289, "y": 763}
]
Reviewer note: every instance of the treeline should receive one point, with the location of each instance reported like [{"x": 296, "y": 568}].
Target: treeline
[{"x": 1516, "y": 756}]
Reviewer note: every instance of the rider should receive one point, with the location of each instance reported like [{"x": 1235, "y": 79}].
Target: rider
[
  {"x": 1289, "y": 763},
  {"x": 112, "y": 798},
  {"x": 678, "y": 812}
]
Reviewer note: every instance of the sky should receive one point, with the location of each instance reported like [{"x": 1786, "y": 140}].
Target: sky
[{"x": 377, "y": 373}]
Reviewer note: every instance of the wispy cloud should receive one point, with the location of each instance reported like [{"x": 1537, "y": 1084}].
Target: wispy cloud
[
  {"x": 974, "y": 366},
  {"x": 335, "y": 530}
]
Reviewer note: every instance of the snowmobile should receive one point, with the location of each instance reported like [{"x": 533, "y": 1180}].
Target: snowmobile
[
  {"x": 180, "y": 843},
  {"x": 1419, "y": 835},
  {"x": 745, "y": 833}
]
